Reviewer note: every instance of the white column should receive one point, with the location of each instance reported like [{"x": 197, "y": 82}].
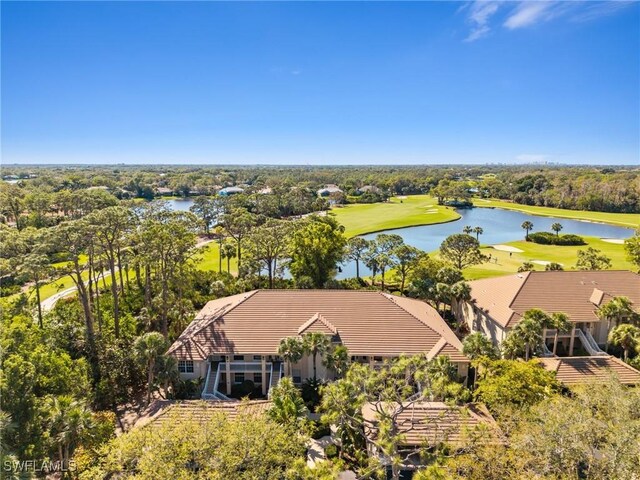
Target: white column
[
  {"x": 571, "y": 341},
  {"x": 228, "y": 373},
  {"x": 264, "y": 375}
]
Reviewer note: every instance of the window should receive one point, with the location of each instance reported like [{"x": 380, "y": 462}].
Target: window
[
  {"x": 238, "y": 357},
  {"x": 185, "y": 366},
  {"x": 257, "y": 358},
  {"x": 239, "y": 378},
  {"x": 297, "y": 376}
]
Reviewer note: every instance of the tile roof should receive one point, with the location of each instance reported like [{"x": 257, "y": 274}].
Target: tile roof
[
  {"x": 366, "y": 322},
  {"x": 573, "y": 370},
  {"x": 576, "y": 293},
  {"x": 430, "y": 423},
  {"x": 202, "y": 411}
]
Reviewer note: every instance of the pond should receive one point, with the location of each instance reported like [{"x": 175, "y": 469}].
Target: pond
[
  {"x": 179, "y": 204},
  {"x": 499, "y": 226}
]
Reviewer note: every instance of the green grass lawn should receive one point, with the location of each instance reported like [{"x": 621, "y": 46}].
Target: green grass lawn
[
  {"x": 208, "y": 258},
  {"x": 566, "y": 255},
  {"x": 397, "y": 213},
  {"x": 622, "y": 219}
]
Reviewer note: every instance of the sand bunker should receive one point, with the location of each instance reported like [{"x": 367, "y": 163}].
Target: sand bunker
[
  {"x": 507, "y": 248},
  {"x": 619, "y": 241},
  {"x": 544, "y": 262}
]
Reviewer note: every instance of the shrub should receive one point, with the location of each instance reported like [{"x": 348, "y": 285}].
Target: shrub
[
  {"x": 311, "y": 393},
  {"x": 245, "y": 389},
  {"x": 319, "y": 430},
  {"x": 331, "y": 451},
  {"x": 553, "y": 266},
  {"x": 8, "y": 290},
  {"x": 188, "y": 389},
  {"x": 548, "y": 238}
]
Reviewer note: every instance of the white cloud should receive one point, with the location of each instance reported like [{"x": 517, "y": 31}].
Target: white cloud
[
  {"x": 481, "y": 14},
  {"x": 594, "y": 10},
  {"x": 528, "y": 13}
]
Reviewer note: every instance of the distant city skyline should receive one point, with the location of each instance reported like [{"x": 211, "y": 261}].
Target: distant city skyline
[{"x": 341, "y": 83}]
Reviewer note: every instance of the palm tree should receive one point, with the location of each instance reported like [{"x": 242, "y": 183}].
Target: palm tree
[
  {"x": 467, "y": 230},
  {"x": 527, "y": 226},
  {"x": 460, "y": 292},
  {"x": 69, "y": 420},
  {"x": 337, "y": 360},
  {"x": 148, "y": 349},
  {"x": 615, "y": 309},
  {"x": 530, "y": 329},
  {"x": 627, "y": 337},
  {"x": 512, "y": 346},
  {"x": 228, "y": 251},
  {"x": 561, "y": 323},
  {"x": 556, "y": 227},
  {"x": 315, "y": 343},
  {"x": 478, "y": 231},
  {"x": 291, "y": 351},
  {"x": 287, "y": 405},
  {"x": 476, "y": 345}
]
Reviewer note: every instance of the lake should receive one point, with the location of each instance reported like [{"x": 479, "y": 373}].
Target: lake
[{"x": 499, "y": 226}]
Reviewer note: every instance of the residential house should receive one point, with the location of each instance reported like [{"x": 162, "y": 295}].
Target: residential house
[
  {"x": 164, "y": 191},
  {"x": 236, "y": 338},
  {"x": 172, "y": 411},
  {"x": 329, "y": 189},
  {"x": 425, "y": 425},
  {"x": 369, "y": 189},
  {"x": 225, "y": 192},
  {"x": 575, "y": 370},
  {"x": 498, "y": 304}
]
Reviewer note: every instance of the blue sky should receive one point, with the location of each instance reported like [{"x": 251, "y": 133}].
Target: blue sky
[{"x": 321, "y": 83}]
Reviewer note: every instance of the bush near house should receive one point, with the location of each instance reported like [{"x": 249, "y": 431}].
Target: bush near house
[{"x": 548, "y": 238}]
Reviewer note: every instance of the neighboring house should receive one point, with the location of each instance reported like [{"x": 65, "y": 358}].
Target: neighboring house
[
  {"x": 164, "y": 191},
  {"x": 236, "y": 338},
  {"x": 574, "y": 370},
  {"x": 497, "y": 305},
  {"x": 328, "y": 190},
  {"x": 369, "y": 188},
  {"x": 225, "y": 192},
  {"x": 429, "y": 424},
  {"x": 163, "y": 411}
]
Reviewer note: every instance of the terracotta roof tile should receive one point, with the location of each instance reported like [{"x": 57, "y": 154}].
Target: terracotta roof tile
[
  {"x": 430, "y": 423},
  {"x": 368, "y": 323},
  {"x": 203, "y": 410},
  {"x": 574, "y": 370},
  {"x": 576, "y": 293}
]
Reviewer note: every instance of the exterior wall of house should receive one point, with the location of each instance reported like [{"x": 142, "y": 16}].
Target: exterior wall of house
[
  {"x": 478, "y": 321},
  {"x": 199, "y": 371},
  {"x": 600, "y": 331},
  {"x": 301, "y": 371}
]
